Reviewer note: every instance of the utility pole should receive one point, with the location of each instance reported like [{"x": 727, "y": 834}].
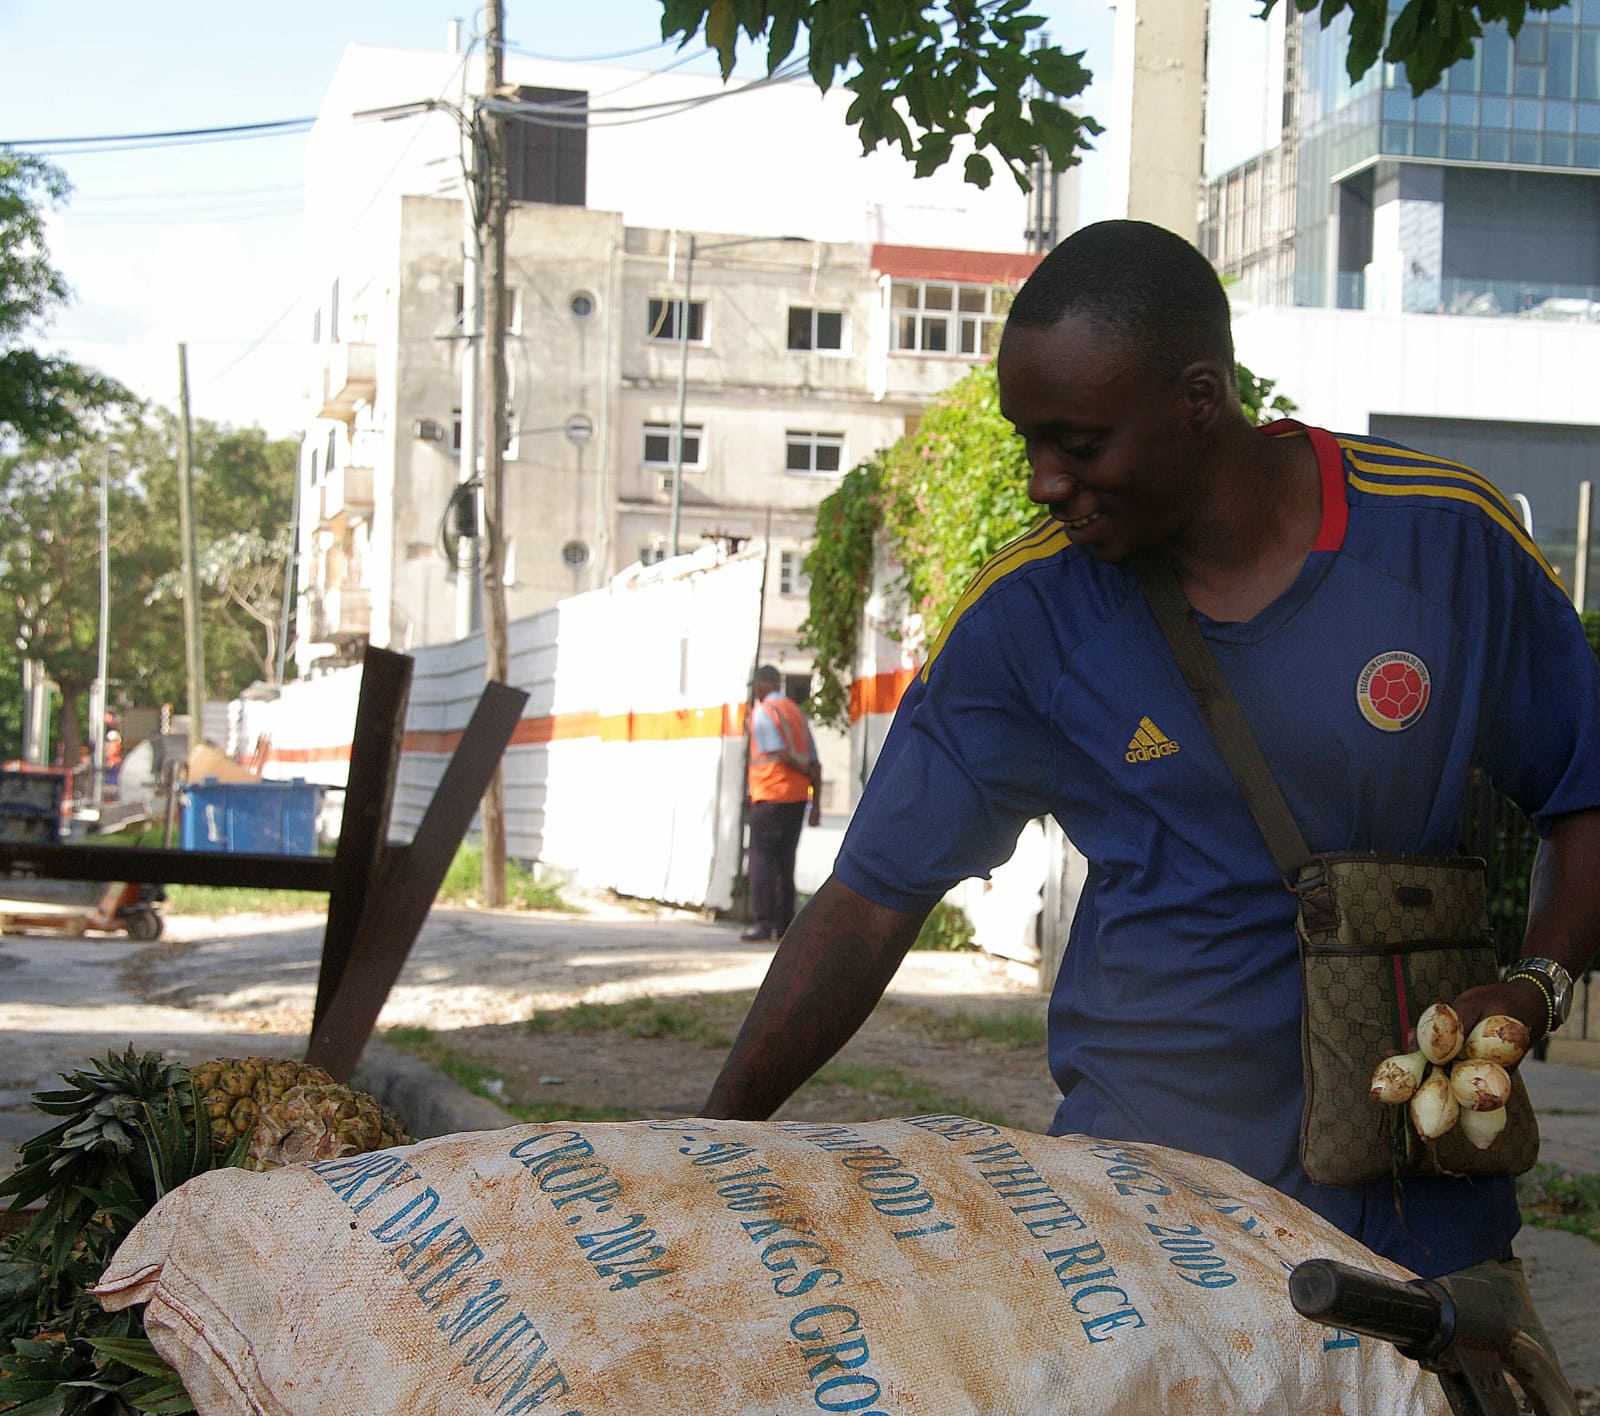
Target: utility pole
[
  {"x": 99, "y": 698},
  {"x": 469, "y": 609},
  {"x": 492, "y": 245},
  {"x": 194, "y": 654}
]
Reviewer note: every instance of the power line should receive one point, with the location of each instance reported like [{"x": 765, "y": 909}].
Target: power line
[
  {"x": 587, "y": 58},
  {"x": 238, "y": 129}
]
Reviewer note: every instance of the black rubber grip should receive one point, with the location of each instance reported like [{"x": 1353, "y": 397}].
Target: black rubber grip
[{"x": 1406, "y": 1314}]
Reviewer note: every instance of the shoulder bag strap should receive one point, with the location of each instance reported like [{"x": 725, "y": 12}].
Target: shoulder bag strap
[{"x": 1230, "y": 730}]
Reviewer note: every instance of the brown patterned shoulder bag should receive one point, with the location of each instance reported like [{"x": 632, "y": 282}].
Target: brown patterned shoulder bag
[{"x": 1381, "y": 937}]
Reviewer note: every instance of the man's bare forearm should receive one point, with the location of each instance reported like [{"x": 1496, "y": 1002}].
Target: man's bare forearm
[{"x": 827, "y": 976}]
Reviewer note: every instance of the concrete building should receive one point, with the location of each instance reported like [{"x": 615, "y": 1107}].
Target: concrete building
[
  {"x": 1423, "y": 269},
  {"x": 831, "y": 296}
]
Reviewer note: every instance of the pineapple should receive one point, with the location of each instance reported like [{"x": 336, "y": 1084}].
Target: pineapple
[
  {"x": 288, "y": 1112},
  {"x": 131, "y": 1128}
]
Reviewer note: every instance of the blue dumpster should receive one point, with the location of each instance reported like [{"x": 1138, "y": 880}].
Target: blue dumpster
[{"x": 262, "y": 818}]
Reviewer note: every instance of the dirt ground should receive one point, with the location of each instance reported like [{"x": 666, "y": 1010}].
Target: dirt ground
[{"x": 632, "y": 1062}]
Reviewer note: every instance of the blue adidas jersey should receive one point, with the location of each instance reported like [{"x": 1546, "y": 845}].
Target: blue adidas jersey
[{"x": 1424, "y": 636}]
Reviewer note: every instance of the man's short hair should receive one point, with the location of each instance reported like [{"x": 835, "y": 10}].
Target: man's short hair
[
  {"x": 767, "y": 673},
  {"x": 1138, "y": 282}
]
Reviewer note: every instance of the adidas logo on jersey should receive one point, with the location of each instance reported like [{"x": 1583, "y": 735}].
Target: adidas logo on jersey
[{"x": 1149, "y": 743}]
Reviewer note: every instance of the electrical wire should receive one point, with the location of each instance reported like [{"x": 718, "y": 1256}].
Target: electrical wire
[
  {"x": 132, "y": 143},
  {"x": 560, "y": 115},
  {"x": 168, "y": 133},
  {"x": 587, "y": 58}
]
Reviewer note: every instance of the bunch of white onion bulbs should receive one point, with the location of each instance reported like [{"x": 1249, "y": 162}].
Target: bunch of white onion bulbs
[{"x": 1451, "y": 1077}]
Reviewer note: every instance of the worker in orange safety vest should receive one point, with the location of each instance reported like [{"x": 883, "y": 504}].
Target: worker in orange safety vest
[{"x": 784, "y": 774}]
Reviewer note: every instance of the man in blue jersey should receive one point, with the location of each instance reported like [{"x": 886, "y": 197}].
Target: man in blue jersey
[{"x": 1313, "y": 563}]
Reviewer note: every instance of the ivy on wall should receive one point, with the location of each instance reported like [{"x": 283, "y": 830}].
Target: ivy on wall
[{"x": 943, "y": 499}]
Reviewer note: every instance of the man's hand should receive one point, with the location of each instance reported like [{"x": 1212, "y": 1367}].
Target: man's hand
[
  {"x": 1519, "y": 998},
  {"x": 815, "y": 814}
]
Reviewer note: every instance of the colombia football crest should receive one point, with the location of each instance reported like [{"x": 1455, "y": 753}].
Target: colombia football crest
[{"x": 1393, "y": 689}]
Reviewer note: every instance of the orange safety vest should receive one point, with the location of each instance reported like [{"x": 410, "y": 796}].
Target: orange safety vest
[{"x": 770, "y": 778}]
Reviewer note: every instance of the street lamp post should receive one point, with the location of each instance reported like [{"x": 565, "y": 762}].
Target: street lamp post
[{"x": 683, "y": 363}]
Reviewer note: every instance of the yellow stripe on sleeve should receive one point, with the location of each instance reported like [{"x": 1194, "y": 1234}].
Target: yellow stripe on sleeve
[
  {"x": 1418, "y": 462},
  {"x": 1042, "y": 541},
  {"x": 1493, "y": 510}
]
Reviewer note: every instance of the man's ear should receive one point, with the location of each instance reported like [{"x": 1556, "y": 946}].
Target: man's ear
[{"x": 1205, "y": 386}]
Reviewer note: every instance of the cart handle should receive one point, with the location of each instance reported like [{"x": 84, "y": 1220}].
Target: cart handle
[{"x": 1455, "y": 1328}]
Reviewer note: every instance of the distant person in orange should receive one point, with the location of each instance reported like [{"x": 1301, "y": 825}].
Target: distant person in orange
[{"x": 784, "y": 774}]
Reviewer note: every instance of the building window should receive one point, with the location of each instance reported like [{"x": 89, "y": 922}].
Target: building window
[
  {"x": 815, "y": 329},
  {"x": 792, "y": 577},
  {"x": 814, "y": 452},
  {"x": 660, "y": 444},
  {"x": 665, "y": 321},
  {"x": 932, "y": 317}
]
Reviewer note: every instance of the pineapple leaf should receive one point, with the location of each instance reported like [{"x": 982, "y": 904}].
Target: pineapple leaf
[
  {"x": 135, "y": 1352},
  {"x": 162, "y": 1405}
]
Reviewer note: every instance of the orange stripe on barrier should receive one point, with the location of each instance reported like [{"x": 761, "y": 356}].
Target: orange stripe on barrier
[
  {"x": 668, "y": 725},
  {"x": 341, "y": 753},
  {"x": 879, "y": 694}
]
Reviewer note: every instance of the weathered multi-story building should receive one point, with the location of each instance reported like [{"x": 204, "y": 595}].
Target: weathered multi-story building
[{"x": 830, "y": 297}]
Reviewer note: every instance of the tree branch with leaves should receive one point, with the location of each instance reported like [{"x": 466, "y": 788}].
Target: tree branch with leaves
[{"x": 925, "y": 78}]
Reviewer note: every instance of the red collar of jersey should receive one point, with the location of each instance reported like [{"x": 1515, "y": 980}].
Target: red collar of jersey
[{"x": 1330, "y": 465}]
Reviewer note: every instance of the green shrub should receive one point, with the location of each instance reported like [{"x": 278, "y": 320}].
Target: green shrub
[{"x": 946, "y": 929}]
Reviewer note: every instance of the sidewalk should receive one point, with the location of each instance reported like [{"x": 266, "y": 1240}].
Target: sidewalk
[{"x": 244, "y": 986}]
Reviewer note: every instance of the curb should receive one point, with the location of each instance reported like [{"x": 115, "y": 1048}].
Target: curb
[{"x": 428, "y": 1102}]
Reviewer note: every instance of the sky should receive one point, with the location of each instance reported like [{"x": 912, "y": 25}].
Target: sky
[{"x": 200, "y": 242}]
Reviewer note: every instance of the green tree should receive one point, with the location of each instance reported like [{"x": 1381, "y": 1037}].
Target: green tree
[
  {"x": 50, "y": 546},
  {"x": 49, "y": 554},
  {"x": 923, "y": 76},
  {"x": 40, "y": 395},
  {"x": 244, "y": 508},
  {"x": 942, "y": 500},
  {"x": 927, "y": 75},
  {"x": 1426, "y": 36}
]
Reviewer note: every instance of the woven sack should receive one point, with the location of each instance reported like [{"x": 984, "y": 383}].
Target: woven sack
[{"x": 934, "y": 1265}]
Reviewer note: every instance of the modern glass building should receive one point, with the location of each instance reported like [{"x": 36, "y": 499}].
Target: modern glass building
[{"x": 1480, "y": 197}]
